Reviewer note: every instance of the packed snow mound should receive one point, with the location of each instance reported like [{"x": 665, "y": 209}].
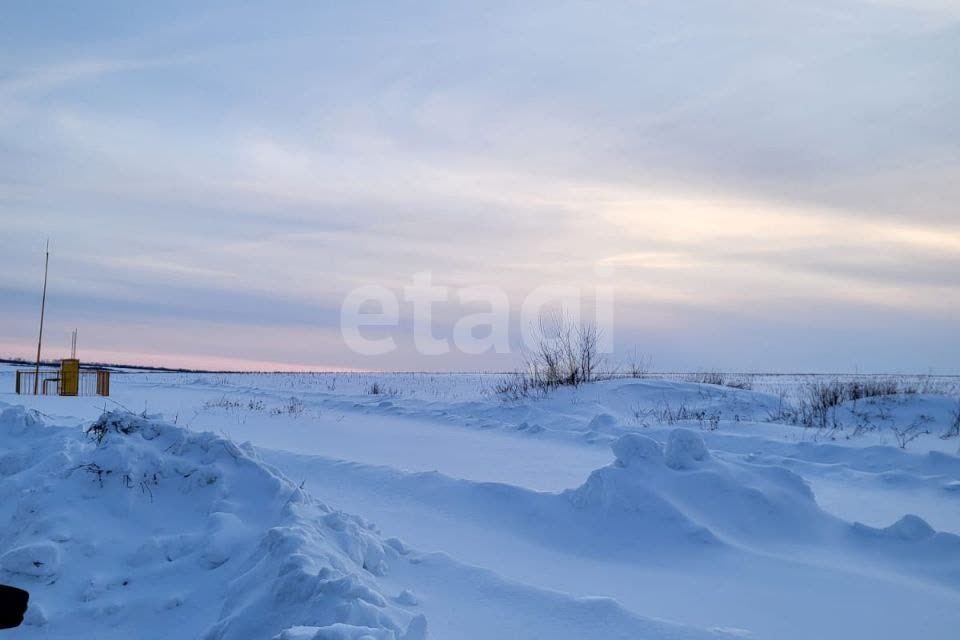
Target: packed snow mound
[
  {"x": 666, "y": 498},
  {"x": 137, "y": 528},
  {"x": 602, "y": 422},
  {"x": 685, "y": 449},
  {"x": 683, "y": 490},
  {"x": 635, "y": 449},
  {"x": 911, "y": 527},
  {"x": 17, "y": 420},
  {"x": 41, "y": 559}
]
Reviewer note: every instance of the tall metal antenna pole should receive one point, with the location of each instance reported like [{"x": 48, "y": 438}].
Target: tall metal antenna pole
[{"x": 43, "y": 307}]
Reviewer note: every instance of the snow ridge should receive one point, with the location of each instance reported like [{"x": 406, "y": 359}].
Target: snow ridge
[{"x": 238, "y": 549}]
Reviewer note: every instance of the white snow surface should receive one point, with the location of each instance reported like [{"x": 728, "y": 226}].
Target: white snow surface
[
  {"x": 137, "y": 526},
  {"x": 582, "y": 514}
]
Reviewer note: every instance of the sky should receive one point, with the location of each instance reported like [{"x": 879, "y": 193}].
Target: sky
[{"x": 764, "y": 185}]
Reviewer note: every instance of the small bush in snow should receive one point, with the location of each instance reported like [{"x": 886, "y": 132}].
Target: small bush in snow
[
  {"x": 707, "y": 377},
  {"x": 639, "y": 366},
  {"x": 818, "y": 400},
  {"x": 292, "y": 407},
  {"x": 228, "y": 404},
  {"x": 119, "y": 422},
  {"x": 666, "y": 414},
  {"x": 516, "y": 386},
  {"x": 906, "y": 435},
  {"x": 954, "y": 429},
  {"x": 378, "y": 389},
  {"x": 719, "y": 379},
  {"x": 567, "y": 354}
]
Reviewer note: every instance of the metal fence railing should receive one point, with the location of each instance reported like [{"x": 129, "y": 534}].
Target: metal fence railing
[{"x": 53, "y": 382}]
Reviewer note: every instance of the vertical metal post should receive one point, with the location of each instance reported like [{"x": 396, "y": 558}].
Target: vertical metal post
[{"x": 43, "y": 306}]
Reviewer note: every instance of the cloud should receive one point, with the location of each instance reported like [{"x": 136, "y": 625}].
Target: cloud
[{"x": 249, "y": 173}]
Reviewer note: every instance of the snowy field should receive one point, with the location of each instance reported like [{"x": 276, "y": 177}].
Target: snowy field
[{"x": 301, "y": 506}]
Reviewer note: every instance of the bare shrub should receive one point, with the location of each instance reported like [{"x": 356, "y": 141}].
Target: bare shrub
[
  {"x": 122, "y": 422},
  {"x": 876, "y": 387},
  {"x": 706, "y": 377},
  {"x": 745, "y": 383},
  {"x": 638, "y": 366},
  {"x": 642, "y": 414},
  {"x": 234, "y": 405},
  {"x": 586, "y": 350},
  {"x": 929, "y": 385},
  {"x": 817, "y": 404},
  {"x": 516, "y": 386},
  {"x": 292, "y": 407},
  {"x": 666, "y": 414},
  {"x": 818, "y": 401},
  {"x": 222, "y": 403},
  {"x": 566, "y": 354},
  {"x": 954, "y": 429},
  {"x": 719, "y": 379},
  {"x": 863, "y": 424},
  {"x": 906, "y": 435},
  {"x": 377, "y": 389},
  {"x": 782, "y": 412}
]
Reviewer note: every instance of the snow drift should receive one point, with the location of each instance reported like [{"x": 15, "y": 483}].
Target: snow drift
[
  {"x": 144, "y": 529},
  {"x": 662, "y": 495},
  {"x": 680, "y": 491}
]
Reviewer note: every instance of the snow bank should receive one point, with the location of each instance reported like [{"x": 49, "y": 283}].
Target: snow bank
[
  {"x": 142, "y": 529},
  {"x": 681, "y": 492},
  {"x": 667, "y": 498}
]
